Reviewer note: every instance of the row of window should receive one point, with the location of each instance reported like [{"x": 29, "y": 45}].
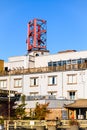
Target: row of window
[
  {"x": 67, "y": 62},
  {"x": 70, "y": 94},
  {"x": 34, "y": 81},
  {"x": 52, "y": 80},
  {"x": 17, "y": 83}
]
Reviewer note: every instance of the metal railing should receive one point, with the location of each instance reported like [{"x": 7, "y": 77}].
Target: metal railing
[
  {"x": 69, "y": 67},
  {"x": 46, "y": 123}
]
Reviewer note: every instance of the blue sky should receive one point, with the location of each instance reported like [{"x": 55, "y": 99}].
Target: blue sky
[{"x": 66, "y": 24}]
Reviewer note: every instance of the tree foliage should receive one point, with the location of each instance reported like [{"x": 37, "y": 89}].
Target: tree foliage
[
  {"x": 40, "y": 111},
  {"x": 20, "y": 110}
]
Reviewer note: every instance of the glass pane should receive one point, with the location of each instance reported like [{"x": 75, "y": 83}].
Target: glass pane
[
  {"x": 31, "y": 82},
  {"x": 53, "y": 80},
  {"x": 70, "y": 79},
  {"x": 68, "y": 61},
  {"x": 54, "y": 63},
  {"x": 20, "y": 82},
  {"x": 79, "y": 61},
  {"x": 50, "y": 80},
  {"x": 64, "y": 62},
  {"x": 49, "y": 63},
  {"x": 5, "y": 84},
  {"x": 1, "y": 84},
  {"x": 74, "y": 79},
  {"x": 74, "y": 61},
  {"x": 59, "y": 63}
]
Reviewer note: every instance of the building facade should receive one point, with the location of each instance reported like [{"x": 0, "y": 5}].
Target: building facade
[
  {"x": 43, "y": 77},
  {"x": 61, "y": 75}
]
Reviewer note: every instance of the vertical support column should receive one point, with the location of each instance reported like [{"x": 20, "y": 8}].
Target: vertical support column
[
  {"x": 34, "y": 42},
  {"x": 15, "y": 125},
  {"x": 74, "y": 114},
  {"x": 28, "y": 38},
  {"x": 7, "y": 125}
]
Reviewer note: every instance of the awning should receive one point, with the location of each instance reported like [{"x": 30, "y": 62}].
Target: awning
[
  {"x": 4, "y": 95},
  {"x": 80, "y": 103},
  {"x": 7, "y": 91}
]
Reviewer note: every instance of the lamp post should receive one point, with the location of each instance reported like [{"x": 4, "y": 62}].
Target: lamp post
[
  {"x": 23, "y": 80},
  {"x": 83, "y": 82},
  {"x": 9, "y": 100}
]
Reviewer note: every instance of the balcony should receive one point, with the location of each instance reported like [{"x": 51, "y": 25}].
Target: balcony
[{"x": 69, "y": 67}]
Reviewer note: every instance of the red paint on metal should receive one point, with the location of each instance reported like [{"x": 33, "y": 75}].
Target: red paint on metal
[{"x": 36, "y": 35}]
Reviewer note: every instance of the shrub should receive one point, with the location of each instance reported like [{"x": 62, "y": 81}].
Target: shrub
[{"x": 73, "y": 122}]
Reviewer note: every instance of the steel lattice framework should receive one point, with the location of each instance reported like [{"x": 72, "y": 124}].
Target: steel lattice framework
[{"x": 36, "y": 35}]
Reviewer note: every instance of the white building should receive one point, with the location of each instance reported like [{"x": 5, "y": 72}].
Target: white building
[{"x": 47, "y": 75}]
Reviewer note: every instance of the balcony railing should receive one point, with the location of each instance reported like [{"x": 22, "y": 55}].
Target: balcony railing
[
  {"x": 39, "y": 97},
  {"x": 33, "y": 123},
  {"x": 69, "y": 67}
]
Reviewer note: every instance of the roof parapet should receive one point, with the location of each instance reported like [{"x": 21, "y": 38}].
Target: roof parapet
[{"x": 67, "y": 51}]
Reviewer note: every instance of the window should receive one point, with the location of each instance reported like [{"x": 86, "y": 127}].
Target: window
[
  {"x": 74, "y": 61},
  {"x": 50, "y": 64},
  {"x": 64, "y": 62},
  {"x": 52, "y": 93},
  {"x": 68, "y": 62},
  {"x": 33, "y": 93},
  {"x": 72, "y": 95},
  {"x": 18, "y": 83},
  {"x": 3, "y": 83},
  {"x": 34, "y": 81},
  {"x": 72, "y": 79},
  {"x": 52, "y": 80},
  {"x": 79, "y": 61},
  {"x": 59, "y": 63},
  {"x": 54, "y": 63}
]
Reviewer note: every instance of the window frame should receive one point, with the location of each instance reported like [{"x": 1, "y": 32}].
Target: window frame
[
  {"x": 33, "y": 93},
  {"x": 3, "y": 83},
  {"x": 34, "y": 81},
  {"x": 52, "y": 80},
  {"x": 53, "y": 93},
  {"x": 71, "y": 79},
  {"x": 73, "y": 95},
  {"x": 17, "y": 81}
]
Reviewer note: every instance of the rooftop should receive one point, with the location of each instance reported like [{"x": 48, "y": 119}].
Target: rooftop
[{"x": 80, "y": 103}]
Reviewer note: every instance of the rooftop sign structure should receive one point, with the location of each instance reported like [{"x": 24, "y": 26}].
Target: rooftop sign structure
[{"x": 36, "y": 35}]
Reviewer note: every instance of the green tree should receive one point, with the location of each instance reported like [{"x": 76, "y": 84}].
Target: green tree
[
  {"x": 40, "y": 111},
  {"x": 20, "y": 110}
]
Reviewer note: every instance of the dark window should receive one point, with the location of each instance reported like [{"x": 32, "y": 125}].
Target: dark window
[
  {"x": 54, "y": 63},
  {"x": 6, "y": 68},
  {"x": 64, "y": 62},
  {"x": 53, "y": 80},
  {"x": 72, "y": 95},
  {"x": 79, "y": 61},
  {"x": 35, "y": 81},
  {"x": 59, "y": 63},
  {"x": 68, "y": 61},
  {"x": 49, "y": 63}
]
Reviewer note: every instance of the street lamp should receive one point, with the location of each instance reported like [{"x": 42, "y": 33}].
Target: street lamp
[{"x": 9, "y": 100}]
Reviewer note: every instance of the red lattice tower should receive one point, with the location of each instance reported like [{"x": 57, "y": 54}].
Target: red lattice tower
[{"x": 36, "y": 36}]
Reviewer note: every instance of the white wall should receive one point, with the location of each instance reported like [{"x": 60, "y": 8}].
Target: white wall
[
  {"x": 62, "y": 87},
  {"x": 43, "y": 60}
]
